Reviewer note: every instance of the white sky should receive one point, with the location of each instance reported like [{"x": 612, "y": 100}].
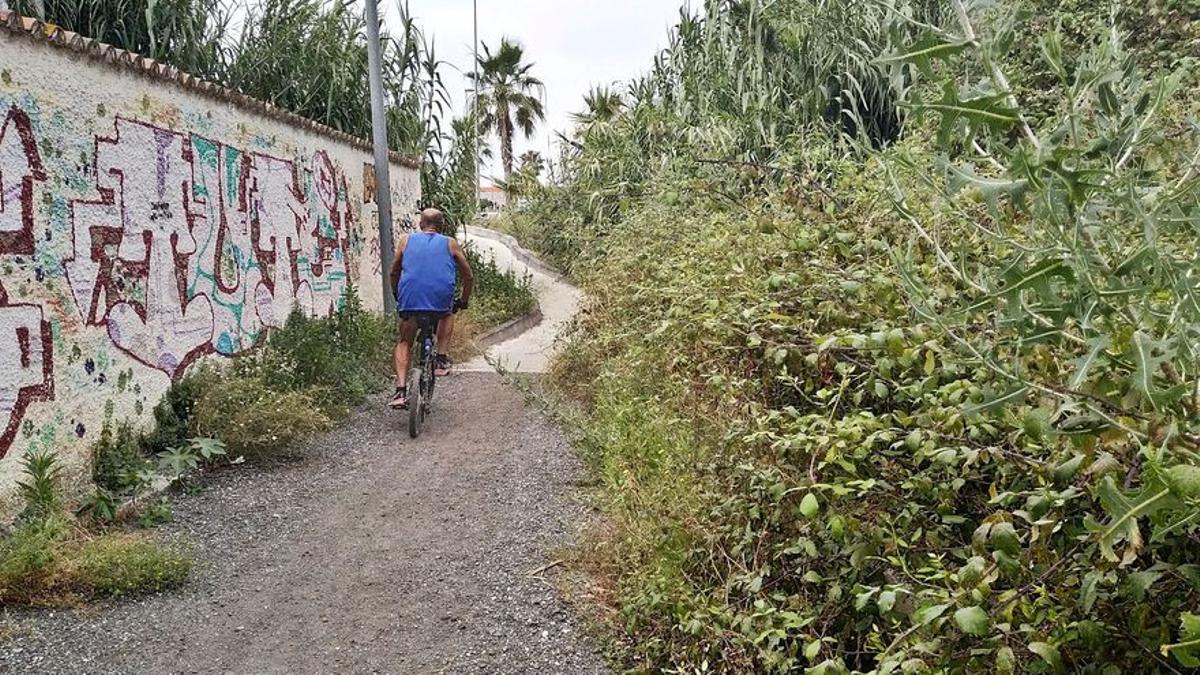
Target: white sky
[{"x": 573, "y": 44}]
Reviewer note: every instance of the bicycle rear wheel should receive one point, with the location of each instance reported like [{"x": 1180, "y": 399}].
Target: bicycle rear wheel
[{"x": 430, "y": 366}]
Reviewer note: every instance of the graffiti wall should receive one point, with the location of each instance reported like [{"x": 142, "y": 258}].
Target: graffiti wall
[{"x": 146, "y": 225}]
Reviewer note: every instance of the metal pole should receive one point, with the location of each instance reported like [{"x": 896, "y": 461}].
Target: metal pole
[
  {"x": 383, "y": 181},
  {"x": 475, "y": 103}
]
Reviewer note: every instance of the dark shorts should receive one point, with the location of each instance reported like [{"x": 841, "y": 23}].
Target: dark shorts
[{"x": 417, "y": 315}]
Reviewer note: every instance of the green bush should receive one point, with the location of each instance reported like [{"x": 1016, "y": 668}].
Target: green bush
[
  {"x": 500, "y": 295},
  {"x": 122, "y": 458},
  {"x": 253, "y": 418},
  {"x": 336, "y": 361},
  {"x": 173, "y": 415}
]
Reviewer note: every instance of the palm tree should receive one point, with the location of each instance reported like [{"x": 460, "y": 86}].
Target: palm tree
[
  {"x": 532, "y": 164},
  {"x": 603, "y": 105},
  {"x": 507, "y": 96}
]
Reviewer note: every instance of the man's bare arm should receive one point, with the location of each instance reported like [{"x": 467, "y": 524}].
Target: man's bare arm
[
  {"x": 464, "y": 269},
  {"x": 394, "y": 272}
]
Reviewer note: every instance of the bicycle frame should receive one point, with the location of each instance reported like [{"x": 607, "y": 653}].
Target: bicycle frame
[{"x": 422, "y": 373}]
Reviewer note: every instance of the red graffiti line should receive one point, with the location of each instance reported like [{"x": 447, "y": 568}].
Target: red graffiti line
[
  {"x": 232, "y": 210},
  {"x": 26, "y": 364},
  {"x": 227, "y": 266},
  {"x": 20, "y": 166}
]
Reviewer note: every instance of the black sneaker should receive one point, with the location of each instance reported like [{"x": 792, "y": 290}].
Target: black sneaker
[
  {"x": 399, "y": 399},
  {"x": 442, "y": 368}
]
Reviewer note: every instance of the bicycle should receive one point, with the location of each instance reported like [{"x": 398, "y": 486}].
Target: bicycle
[{"x": 422, "y": 371}]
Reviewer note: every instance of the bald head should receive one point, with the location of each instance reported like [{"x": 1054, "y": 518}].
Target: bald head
[{"x": 432, "y": 219}]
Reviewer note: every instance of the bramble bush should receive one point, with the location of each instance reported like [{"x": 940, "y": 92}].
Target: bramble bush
[{"x": 927, "y": 406}]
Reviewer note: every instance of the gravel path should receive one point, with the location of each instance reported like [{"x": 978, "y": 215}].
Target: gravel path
[{"x": 366, "y": 552}]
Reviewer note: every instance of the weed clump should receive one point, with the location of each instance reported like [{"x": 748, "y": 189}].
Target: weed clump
[
  {"x": 307, "y": 376},
  {"x": 119, "y": 564},
  {"x": 174, "y": 415},
  {"x": 253, "y": 418},
  {"x": 29, "y": 558},
  {"x": 119, "y": 459},
  {"x": 47, "y": 560}
]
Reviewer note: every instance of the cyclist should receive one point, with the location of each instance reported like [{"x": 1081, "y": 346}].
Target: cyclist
[{"x": 424, "y": 273}]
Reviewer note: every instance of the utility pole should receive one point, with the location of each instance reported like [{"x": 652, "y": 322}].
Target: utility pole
[
  {"x": 475, "y": 105},
  {"x": 383, "y": 181}
]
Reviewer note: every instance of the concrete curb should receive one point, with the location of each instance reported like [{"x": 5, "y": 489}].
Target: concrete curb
[
  {"x": 509, "y": 329},
  {"x": 519, "y": 252}
]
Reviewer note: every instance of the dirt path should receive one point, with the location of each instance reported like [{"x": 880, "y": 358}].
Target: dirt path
[{"x": 368, "y": 552}]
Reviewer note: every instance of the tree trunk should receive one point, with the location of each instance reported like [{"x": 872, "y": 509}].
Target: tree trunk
[{"x": 504, "y": 128}]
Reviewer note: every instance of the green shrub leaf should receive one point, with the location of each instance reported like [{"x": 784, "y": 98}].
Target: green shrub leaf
[
  {"x": 929, "y": 613},
  {"x": 809, "y": 506},
  {"x": 1187, "y": 650},
  {"x": 972, "y": 620},
  {"x": 1048, "y": 653}
]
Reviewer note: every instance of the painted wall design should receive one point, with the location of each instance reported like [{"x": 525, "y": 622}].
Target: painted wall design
[{"x": 143, "y": 227}]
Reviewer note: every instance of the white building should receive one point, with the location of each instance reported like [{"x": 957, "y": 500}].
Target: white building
[{"x": 492, "y": 201}]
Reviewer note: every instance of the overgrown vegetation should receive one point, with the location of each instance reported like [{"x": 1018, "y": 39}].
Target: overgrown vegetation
[
  {"x": 305, "y": 56},
  {"x": 906, "y": 387},
  {"x": 46, "y": 559},
  {"x": 500, "y": 295}
]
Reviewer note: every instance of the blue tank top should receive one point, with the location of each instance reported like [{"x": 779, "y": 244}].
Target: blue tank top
[{"x": 427, "y": 274}]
